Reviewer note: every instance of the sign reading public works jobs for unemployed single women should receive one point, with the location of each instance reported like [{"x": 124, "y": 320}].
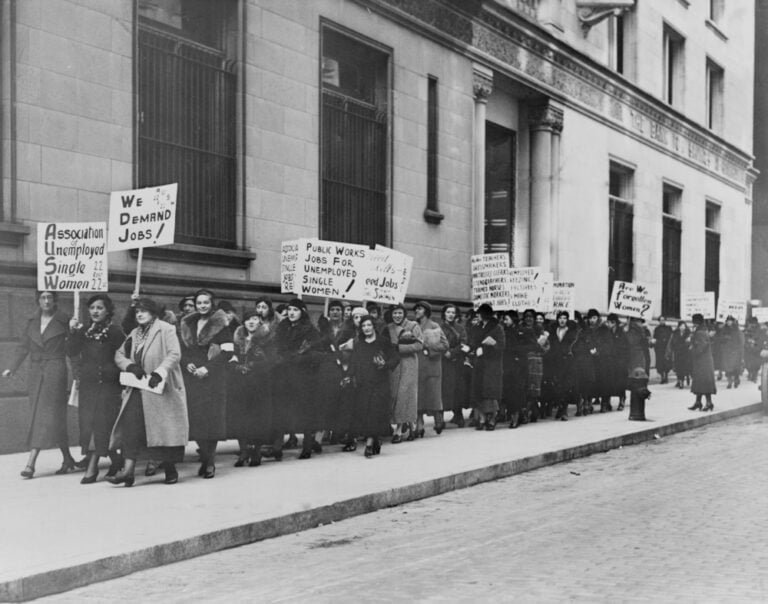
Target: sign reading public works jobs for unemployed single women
[
  {"x": 72, "y": 256},
  {"x": 142, "y": 217},
  {"x": 331, "y": 270}
]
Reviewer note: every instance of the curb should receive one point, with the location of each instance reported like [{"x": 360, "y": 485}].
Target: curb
[{"x": 71, "y": 577}]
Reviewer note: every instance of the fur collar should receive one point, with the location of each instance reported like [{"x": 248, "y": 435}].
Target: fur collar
[{"x": 189, "y": 335}]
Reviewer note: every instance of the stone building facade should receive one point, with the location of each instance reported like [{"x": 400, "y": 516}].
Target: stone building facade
[{"x": 598, "y": 139}]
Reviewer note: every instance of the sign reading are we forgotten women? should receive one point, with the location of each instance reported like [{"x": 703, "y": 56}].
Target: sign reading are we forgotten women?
[{"x": 72, "y": 256}]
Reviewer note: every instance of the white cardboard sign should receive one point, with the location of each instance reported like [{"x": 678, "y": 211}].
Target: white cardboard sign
[
  {"x": 72, "y": 256},
  {"x": 331, "y": 269},
  {"x": 692, "y": 303},
  {"x": 631, "y": 300},
  {"x": 736, "y": 308},
  {"x": 142, "y": 217},
  {"x": 387, "y": 276},
  {"x": 490, "y": 280}
]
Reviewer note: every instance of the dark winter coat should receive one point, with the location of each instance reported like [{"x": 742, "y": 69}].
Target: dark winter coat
[
  {"x": 680, "y": 353},
  {"x": 295, "y": 374},
  {"x": 371, "y": 385},
  {"x": 99, "y": 389},
  {"x": 731, "y": 349},
  {"x": 249, "y": 384},
  {"x": 206, "y": 397},
  {"x": 637, "y": 348},
  {"x": 331, "y": 410},
  {"x": 702, "y": 364},
  {"x": 453, "y": 392},
  {"x": 488, "y": 373},
  {"x": 46, "y": 380},
  {"x": 661, "y": 336},
  {"x": 559, "y": 366}
]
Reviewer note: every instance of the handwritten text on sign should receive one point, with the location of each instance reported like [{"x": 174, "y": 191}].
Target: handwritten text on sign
[
  {"x": 332, "y": 270},
  {"x": 490, "y": 280},
  {"x": 735, "y": 308},
  {"x": 72, "y": 256},
  {"x": 388, "y": 275},
  {"x": 142, "y": 217},
  {"x": 702, "y": 303},
  {"x": 525, "y": 287},
  {"x": 564, "y": 296},
  {"x": 289, "y": 254},
  {"x": 631, "y": 300}
]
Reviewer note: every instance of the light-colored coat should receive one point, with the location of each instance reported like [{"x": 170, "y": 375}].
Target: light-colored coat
[
  {"x": 431, "y": 366},
  {"x": 165, "y": 415},
  {"x": 404, "y": 379}
]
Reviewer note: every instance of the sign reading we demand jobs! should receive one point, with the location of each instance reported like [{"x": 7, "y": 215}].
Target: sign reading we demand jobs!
[
  {"x": 72, "y": 256},
  {"x": 142, "y": 217}
]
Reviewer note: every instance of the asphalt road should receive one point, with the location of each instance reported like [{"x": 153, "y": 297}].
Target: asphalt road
[{"x": 682, "y": 519}]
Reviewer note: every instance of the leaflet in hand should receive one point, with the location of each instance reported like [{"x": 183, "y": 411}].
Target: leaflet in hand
[{"x": 130, "y": 380}]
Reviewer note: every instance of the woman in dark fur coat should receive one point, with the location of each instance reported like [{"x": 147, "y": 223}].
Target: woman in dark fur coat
[
  {"x": 296, "y": 343},
  {"x": 486, "y": 343},
  {"x": 207, "y": 346}
]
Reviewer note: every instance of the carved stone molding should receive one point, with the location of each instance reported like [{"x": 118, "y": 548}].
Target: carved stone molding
[
  {"x": 546, "y": 117},
  {"x": 482, "y": 83}
]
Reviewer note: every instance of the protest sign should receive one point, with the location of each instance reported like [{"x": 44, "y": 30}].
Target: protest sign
[
  {"x": 289, "y": 255},
  {"x": 72, "y": 256},
  {"x": 631, "y": 300},
  {"x": 525, "y": 287},
  {"x": 564, "y": 297},
  {"x": 734, "y": 308},
  {"x": 546, "y": 292},
  {"x": 702, "y": 303},
  {"x": 490, "y": 280},
  {"x": 387, "y": 275},
  {"x": 142, "y": 218},
  {"x": 761, "y": 314},
  {"x": 331, "y": 269}
]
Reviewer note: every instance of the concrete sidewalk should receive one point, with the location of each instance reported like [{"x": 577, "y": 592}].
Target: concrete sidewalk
[{"x": 56, "y": 534}]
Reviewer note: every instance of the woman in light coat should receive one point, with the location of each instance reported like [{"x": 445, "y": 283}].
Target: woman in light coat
[
  {"x": 430, "y": 368},
  {"x": 404, "y": 379},
  {"x": 156, "y": 422}
]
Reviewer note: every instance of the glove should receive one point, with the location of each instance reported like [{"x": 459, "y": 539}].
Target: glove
[
  {"x": 154, "y": 379},
  {"x": 135, "y": 370}
]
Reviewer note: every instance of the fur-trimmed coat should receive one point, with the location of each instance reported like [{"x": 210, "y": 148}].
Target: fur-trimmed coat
[
  {"x": 206, "y": 397},
  {"x": 46, "y": 379},
  {"x": 165, "y": 415},
  {"x": 404, "y": 379},
  {"x": 431, "y": 366},
  {"x": 488, "y": 374}
]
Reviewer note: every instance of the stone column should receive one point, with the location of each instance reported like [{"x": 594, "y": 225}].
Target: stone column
[
  {"x": 482, "y": 86},
  {"x": 557, "y": 128},
  {"x": 544, "y": 119}
]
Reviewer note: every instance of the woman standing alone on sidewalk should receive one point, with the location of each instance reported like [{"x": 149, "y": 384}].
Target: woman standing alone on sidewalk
[
  {"x": 703, "y": 366},
  {"x": 148, "y": 421},
  {"x": 93, "y": 352},
  {"x": 44, "y": 341}
]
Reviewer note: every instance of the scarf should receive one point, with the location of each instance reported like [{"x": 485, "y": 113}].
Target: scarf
[{"x": 98, "y": 331}]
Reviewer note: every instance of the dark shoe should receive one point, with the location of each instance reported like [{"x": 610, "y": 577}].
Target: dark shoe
[
  {"x": 352, "y": 446},
  {"x": 201, "y": 470},
  {"x": 490, "y": 426},
  {"x": 83, "y": 463},
  {"x": 66, "y": 467},
  {"x": 255, "y": 458},
  {"x": 241, "y": 461},
  {"x": 89, "y": 479},
  {"x": 171, "y": 474},
  {"x": 696, "y": 405},
  {"x": 411, "y": 436},
  {"x": 439, "y": 427},
  {"x": 317, "y": 447},
  {"x": 419, "y": 433},
  {"x": 292, "y": 442},
  {"x": 621, "y": 406},
  {"x": 28, "y": 472},
  {"x": 369, "y": 451},
  {"x": 479, "y": 426},
  {"x": 305, "y": 454},
  {"x": 514, "y": 421},
  {"x": 708, "y": 407},
  {"x": 278, "y": 455},
  {"x": 376, "y": 447},
  {"x": 151, "y": 468},
  {"x": 396, "y": 439},
  {"x": 122, "y": 478},
  {"x": 114, "y": 468},
  {"x": 210, "y": 471}
]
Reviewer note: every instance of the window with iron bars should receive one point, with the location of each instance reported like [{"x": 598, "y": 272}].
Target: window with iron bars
[
  {"x": 712, "y": 250},
  {"x": 187, "y": 91},
  {"x": 621, "y": 219},
  {"x": 671, "y": 250}
]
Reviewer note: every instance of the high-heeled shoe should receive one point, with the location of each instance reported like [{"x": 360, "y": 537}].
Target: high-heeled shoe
[
  {"x": 210, "y": 471},
  {"x": 114, "y": 468},
  {"x": 396, "y": 439},
  {"x": 376, "y": 447},
  {"x": 317, "y": 447},
  {"x": 696, "y": 405},
  {"x": 201, "y": 469},
  {"x": 122, "y": 478},
  {"x": 439, "y": 427},
  {"x": 89, "y": 479},
  {"x": 305, "y": 454},
  {"x": 708, "y": 407},
  {"x": 411, "y": 436},
  {"x": 151, "y": 468},
  {"x": 67, "y": 466},
  {"x": 83, "y": 463},
  {"x": 369, "y": 451},
  {"x": 28, "y": 472},
  {"x": 254, "y": 459},
  {"x": 171, "y": 473},
  {"x": 241, "y": 460}
]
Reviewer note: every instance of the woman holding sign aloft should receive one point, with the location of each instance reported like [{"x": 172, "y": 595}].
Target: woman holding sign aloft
[
  {"x": 206, "y": 348},
  {"x": 44, "y": 341},
  {"x": 150, "y": 421},
  {"x": 92, "y": 350}
]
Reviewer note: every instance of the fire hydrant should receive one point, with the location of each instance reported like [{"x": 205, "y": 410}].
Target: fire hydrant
[{"x": 638, "y": 390}]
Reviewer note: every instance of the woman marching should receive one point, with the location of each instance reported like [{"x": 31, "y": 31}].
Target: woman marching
[
  {"x": 430, "y": 368},
  {"x": 249, "y": 385},
  {"x": 373, "y": 357},
  {"x": 487, "y": 343},
  {"x": 206, "y": 342},
  {"x": 678, "y": 351},
  {"x": 44, "y": 341},
  {"x": 702, "y": 365},
  {"x": 148, "y": 421},
  {"x": 453, "y": 361},
  {"x": 94, "y": 349},
  {"x": 404, "y": 379}
]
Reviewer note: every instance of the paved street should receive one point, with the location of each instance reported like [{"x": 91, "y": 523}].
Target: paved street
[{"x": 682, "y": 518}]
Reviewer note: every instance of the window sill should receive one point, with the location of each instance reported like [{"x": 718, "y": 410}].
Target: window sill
[
  {"x": 12, "y": 234},
  {"x": 433, "y": 216},
  {"x": 198, "y": 254},
  {"x": 716, "y": 28}
]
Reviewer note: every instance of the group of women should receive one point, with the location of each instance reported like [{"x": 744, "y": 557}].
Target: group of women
[{"x": 356, "y": 375}]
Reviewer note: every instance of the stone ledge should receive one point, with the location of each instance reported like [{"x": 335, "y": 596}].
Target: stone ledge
[
  {"x": 12, "y": 234},
  {"x": 198, "y": 254}
]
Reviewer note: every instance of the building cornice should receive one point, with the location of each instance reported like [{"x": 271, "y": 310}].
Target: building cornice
[{"x": 513, "y": 45}]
